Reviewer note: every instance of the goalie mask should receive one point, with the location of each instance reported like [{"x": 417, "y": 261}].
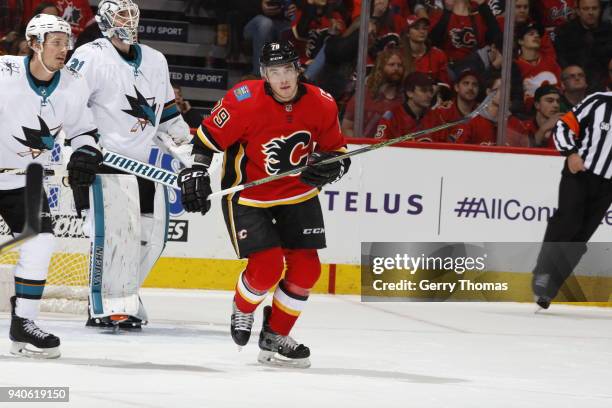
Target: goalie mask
[{"x": 119, "y": 18}]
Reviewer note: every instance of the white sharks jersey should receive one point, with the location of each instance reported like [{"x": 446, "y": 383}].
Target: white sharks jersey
[
  {"x": 33, "y": 116},
  {"x": 129, "y": 99}
]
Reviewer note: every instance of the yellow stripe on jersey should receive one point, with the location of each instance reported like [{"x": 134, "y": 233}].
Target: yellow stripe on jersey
[
  {"x": 284, "y": 201},
  {"x": 230, "y": 203},
  {"x": 207, "y": 142}
]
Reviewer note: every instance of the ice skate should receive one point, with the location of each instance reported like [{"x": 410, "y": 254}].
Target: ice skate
[
  {"x": 240, "y": 326},
  {"x": 29, "y": 340},
  {"x": 280, "y": 351}
]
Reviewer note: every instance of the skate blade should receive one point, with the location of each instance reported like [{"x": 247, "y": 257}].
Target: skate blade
[
  {"x": 29, "y": 351},
  {"x": 272, "y": 359}
]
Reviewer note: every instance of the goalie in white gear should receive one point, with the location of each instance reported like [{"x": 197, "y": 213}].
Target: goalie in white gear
[
  {"x": 50, "y": 99},
  {"x": 133, "y": 106}
]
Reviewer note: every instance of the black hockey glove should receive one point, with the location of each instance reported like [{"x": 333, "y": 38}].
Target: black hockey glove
[
  {"x": 195, "y": 188},
  {"x": 319, "y": 175},
  {"x": 83, "y": 165}
]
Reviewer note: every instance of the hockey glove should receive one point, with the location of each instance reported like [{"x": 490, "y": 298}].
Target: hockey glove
[
  {"x": 195, "y": 188},
  {"x": 83, "y": 165},
  {"x": 319, "y": 175}
]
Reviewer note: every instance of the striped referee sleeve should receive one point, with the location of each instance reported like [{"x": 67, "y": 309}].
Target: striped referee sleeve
[
  {"x": 586, "y": 130},
  {"x": 565, "y": 132}
]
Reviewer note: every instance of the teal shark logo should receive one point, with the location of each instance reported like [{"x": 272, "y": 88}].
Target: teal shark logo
[
  {"x": 140, "y": 108},
  {"x": 38, "y": 140}
]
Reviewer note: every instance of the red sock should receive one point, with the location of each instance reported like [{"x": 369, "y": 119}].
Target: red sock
[{"x": 263, "y": 270}]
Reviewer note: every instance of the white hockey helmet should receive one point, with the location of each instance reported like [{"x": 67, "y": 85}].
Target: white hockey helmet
[
  {"x": 42, "y": 24},
  {"x": 119, "y": 18}
]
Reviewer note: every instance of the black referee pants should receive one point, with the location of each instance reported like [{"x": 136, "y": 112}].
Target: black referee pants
[{"x": 584, "y": 199}]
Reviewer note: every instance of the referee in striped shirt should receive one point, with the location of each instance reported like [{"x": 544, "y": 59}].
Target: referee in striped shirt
[{"x": 584, "y": 137}]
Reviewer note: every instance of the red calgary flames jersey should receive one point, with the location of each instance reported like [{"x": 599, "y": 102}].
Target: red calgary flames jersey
[
  {"x": 555, "y": 13},
  {"x": 464, "y": 34},
  {"x": 535, "y": 74},
  {"x": 478, "y": 130},
  {"x": 262, "y": 137},
  {"x": 400, "y": 121},
  {"x": 435, "y": 64}
]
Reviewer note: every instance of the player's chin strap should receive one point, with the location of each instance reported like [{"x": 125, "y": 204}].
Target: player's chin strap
[
  {"x": 40, "y": 59},
  {"x": 410, "y": 136}
]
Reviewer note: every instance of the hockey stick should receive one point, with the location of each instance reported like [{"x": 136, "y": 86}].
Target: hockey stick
[
  {"x": 119, "y": 162},
  {"x": 480, "y": 109},
  {"x": 33, "y": 206}
]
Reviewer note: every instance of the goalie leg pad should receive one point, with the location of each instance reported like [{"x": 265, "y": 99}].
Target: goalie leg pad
[
  {"x": 31, "y": 274},
  {"x": 115, "y": 239},
  {"x": 153, "y": 237}
]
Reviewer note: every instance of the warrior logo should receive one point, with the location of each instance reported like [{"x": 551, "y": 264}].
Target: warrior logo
[
  {"x": 9, "y": 67},
  {"x": 287, "y": 152},
  {"x": 38, "y": 141},
  {"x": 141, "y": 110},
  {"x": 463, "y": 37}
]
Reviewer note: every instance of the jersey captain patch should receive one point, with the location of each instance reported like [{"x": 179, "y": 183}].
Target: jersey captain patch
[
  {"x": 142, "y": 110},
  {"x": 287, "y": 152}
]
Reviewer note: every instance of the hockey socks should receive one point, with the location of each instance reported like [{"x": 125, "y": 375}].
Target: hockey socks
[{"x": 286, "y": 307}]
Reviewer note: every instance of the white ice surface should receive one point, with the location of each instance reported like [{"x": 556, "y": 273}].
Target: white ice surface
[{"x": 363, "y": 355}]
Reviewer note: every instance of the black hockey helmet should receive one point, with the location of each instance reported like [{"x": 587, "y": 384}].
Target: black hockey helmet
[{"x": 278, "y": 53}]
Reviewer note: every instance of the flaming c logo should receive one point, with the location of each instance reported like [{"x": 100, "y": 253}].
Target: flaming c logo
[{"x": 287, "y": 152}]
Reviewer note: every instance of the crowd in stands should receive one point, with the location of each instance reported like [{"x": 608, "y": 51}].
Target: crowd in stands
[{"x": 428, "y": 61}]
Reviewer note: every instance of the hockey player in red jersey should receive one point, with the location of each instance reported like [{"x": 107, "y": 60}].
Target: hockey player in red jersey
[{"x": 266, "y": 127}]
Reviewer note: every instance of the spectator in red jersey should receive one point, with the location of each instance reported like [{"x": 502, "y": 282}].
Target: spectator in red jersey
[
  {"x": 460, "y": 33},
  {"x": 313, "y": 23},
  {"x": 586, "y": 41},
  {"x": 573, "y": 86},
  {"x": 523, "y": 15},
  {"x": 532, "y": 68},
  {"x": 383, "y": 93},
  {"x": 77, "y": 13},
  {"x": 421, "y": 55},
  {"x": 467, "y": 90},
  {"x": 482, "y": 129},
  {"x": 554, "y": 13},
  {"x": 412, "y": 115},
  {"x": 536, "y": 132}
]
